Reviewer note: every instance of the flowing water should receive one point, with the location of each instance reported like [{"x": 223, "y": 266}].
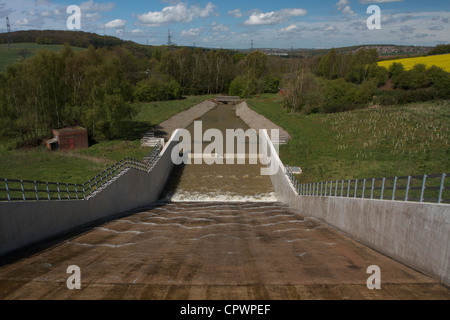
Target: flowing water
[{"x": 220, "y": 182}]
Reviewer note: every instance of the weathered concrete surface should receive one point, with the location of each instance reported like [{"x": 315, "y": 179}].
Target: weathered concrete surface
[
  {"x": 258, "y": 122},
  {"x": 25, "y": 223},
  {"x": 417, "y": 234},
  {"x": 182, "y": 119},
  {"x": 207, "y": 251}
]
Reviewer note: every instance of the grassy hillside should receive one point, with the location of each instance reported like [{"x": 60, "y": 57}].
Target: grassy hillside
[
  {"x": 28, "y": 50},
  {"x": 375, "y": 142}
]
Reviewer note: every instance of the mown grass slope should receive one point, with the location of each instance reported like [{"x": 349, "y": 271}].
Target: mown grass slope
[{"x": 369, "y": 143}]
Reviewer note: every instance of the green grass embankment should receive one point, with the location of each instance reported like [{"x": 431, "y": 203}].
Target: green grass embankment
[{"x": 369, "y": 143}]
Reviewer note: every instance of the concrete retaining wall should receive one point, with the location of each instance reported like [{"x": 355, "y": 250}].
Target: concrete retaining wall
[
  {"x": 26, "y": 223},
  {"x": 416, "y": 234}
]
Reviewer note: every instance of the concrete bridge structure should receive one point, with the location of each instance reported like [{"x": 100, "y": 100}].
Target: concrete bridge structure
[{"x": 130, "y": 244}]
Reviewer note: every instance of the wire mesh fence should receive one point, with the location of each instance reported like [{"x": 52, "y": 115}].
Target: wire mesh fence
[{"x": 433, "y": 188}]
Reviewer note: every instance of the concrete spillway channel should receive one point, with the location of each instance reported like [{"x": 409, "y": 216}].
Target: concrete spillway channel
[
  {"x": 240, "y": 244},
  {"x": 211, "y": 251}
]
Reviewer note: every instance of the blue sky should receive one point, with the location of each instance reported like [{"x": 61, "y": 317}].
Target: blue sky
[{"x": 233, "y": 24}]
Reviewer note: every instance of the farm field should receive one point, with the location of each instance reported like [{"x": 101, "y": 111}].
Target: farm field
[
  {"x": 374, "y": 142},
  {"x": 442, "y": 61},
  {"x": 15, "y": 54}
]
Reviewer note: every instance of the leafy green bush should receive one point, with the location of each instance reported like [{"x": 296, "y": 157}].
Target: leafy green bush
[
  {"x": 440, "y": 49},
  {"x": 440, "y": 80},
  {"x": 413, "y": 79},
  {"x": 236, "y": 87},
  {"x": 399, "y": 97},
  {"x": 243, "y": 86},
  {"x": 157, "y": 88},
  {"x": 395, "y": 70},
  {"x": 339, "y": 96},
  {"x": 271, "y": 84}
]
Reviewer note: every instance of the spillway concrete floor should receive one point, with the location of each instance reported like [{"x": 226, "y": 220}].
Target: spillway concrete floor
[{"x": 210, "y": 251}]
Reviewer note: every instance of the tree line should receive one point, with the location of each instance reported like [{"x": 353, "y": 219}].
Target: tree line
[
  {"x": 339, "y": 82},
  {"x": 99, "y": 88}
]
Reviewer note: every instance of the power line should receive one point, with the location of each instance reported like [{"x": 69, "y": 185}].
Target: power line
[
  {"x": 169, "y": 41},
  {"x": 9, "y": 36},
  {"x": 252, "y": 45}
]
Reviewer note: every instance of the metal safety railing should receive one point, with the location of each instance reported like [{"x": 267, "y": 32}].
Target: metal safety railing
[
  {"x": 25, "y": 190},
  {"x": 433, "y": 188}
]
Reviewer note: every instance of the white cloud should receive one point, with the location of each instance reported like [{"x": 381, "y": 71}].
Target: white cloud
[
  {"x": 23, "y": 22},
  {"x": 274, "y": 17},
  {"x": 378, "y": 1},
  {"x": 235, "y": 13},
  {"x": 220, "y": 28},
  {"x": 177, "y": 13},
  {"x": 289, "y": 29},
  {"x": 91, "y": 6},
  {"x": 194, "y": 32},
  {"x": 42, "y": 2},
  {"x": 117, "y": 23},
  {"x": 46, "y": 14},
  {"x": 344, "y": 7}
]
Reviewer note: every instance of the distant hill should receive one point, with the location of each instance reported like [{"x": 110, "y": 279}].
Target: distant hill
[
  {"x": 74, "y": 38},
  {"x": 385, "y": 51},
  {"x": 25, "y": 50}
]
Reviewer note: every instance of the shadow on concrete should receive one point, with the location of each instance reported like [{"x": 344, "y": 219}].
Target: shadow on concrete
[
  {"x": 173, "y": 182},
  {"x": 49, "y": 243}
]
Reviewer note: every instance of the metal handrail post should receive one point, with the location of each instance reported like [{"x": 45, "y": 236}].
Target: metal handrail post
[
  {"x": 407, "y": 188},
  {"x": 8, "y": 195},
  {"x": 441, "y": 188},
  {"x": 364, "y": 189},
  {"x": 422, "y": 193},
  {"x": 59, "y": 191},
  {"x": 36, "y": 190},
  {"x": 394, "y": 188},
  {"x": 371, "y": 191},
  {"x": 348, "y": 188},
  {"x": 23, "y": 190}
]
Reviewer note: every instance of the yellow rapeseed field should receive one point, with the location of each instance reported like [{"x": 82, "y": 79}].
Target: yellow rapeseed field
[{"x": 442, "y": 61}]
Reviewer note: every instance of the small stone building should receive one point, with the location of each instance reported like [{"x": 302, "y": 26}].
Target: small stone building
[{"x": 69, "y": 138}]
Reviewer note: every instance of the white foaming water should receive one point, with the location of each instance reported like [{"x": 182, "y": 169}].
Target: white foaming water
[{"x": 184, "y": 196}]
